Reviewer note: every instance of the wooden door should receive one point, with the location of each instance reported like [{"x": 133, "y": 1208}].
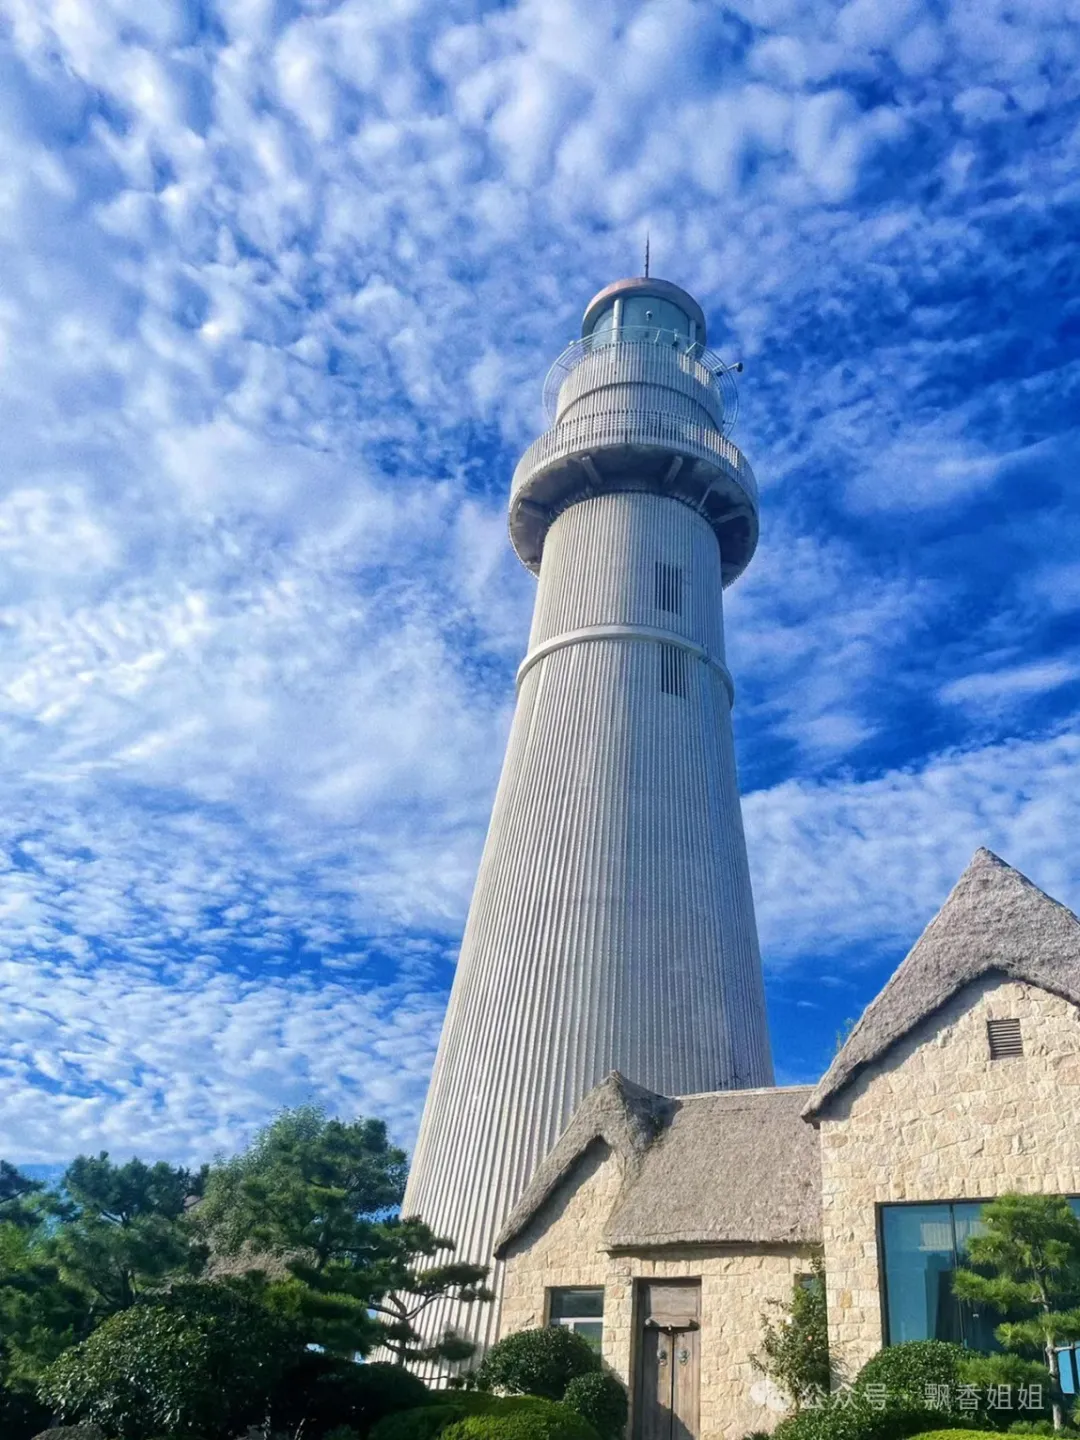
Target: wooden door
[{"x": 669, "y": 1363}]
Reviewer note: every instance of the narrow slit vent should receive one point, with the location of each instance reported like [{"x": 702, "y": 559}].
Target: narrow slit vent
[
  {"x": 668, "y": 588},
  {"x": 672, "y": 670},
  {"x": 1005, "y": 1039}
]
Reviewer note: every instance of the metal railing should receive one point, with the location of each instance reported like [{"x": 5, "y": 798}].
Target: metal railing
[
  {"x": 670, "y": 355},
  {"x": 635, "y": 427}
]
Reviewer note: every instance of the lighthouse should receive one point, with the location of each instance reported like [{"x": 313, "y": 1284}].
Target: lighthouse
[{"x": 612, "y": 924}]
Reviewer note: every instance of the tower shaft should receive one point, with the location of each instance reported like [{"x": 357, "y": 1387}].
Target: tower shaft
[{"x": 612, "y": 925}]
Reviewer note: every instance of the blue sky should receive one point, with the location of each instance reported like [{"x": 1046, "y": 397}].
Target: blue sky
[{"x": 279, "y": 284}]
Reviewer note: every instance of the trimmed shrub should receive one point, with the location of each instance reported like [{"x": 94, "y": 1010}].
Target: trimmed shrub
[
  {"x": 908, "y": 1370},
  {"x": 428, "y": 1421},
  {"x": 849, "y": 1415},
  {"x": 960, "y": 1435},
  {"x": 326, "y": 1392},
  {"x": 601, "y": 1400},
  {"x": 540, "y": 1420},
  {"x": 537, "y": 1362}
]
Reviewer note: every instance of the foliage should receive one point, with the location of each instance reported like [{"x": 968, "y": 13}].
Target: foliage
[
  {"x": 321, "y": 1392},
  {"x": 850, "y": 1415},
  {"x": 203, "y": 1357},
  {"x": 40, "y": 1313},
  {"x": 1026, "y": 1265},
  {"x": 602, "y": 1400},
  {"x": 795, "y": 1346},
  {"x": 122, "y": 1233},
  {"x": 537, "y": 1362},
  {"x": 429, "y": 1421},
  {"x": 538, "y": 1420},
  {"x": 906, "y": 1371},
  {"x": 406, "y": 1287},
  {"x": 312, "y": 1191},
  {"x": 17, "y": 1195}
]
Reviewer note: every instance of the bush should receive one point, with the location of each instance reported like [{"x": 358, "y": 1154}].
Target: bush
[
  {"x": 326, "y": 1392},
  {"x": 429, "y": 1421},
  {"x": 907, "y": 1370},
  {"x": 601, "y": 1400},
  {"x": 537, "y": 1362},
  {"x": 850, "y": 1416},
  {"x": 199, "y": 1363},
  {"x": 538, "y": 1420}
]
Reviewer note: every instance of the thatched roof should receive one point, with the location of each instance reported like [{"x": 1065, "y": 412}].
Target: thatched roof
[
  {"x": 994, "y": 921},
  {"x": 738, "y": 1166}
]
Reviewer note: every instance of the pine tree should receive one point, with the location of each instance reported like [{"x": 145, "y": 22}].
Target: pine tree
[{"x": 1028, "y": 1267}]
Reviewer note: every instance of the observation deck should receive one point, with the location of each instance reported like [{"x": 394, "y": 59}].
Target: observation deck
[{"x": 639, "y": 406}]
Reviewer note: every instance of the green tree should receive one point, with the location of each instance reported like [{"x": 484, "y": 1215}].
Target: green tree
[
  {"x": 403, "y": 1288},
  {"x": 311, "y": 1192},
  {"x": 1027, "y": 1267},
  {"x": 120, "y": 1232},
  {"x": 201, "y": 1361},
  {"x": 17, "y": 1197},
  {"x": 795, "y": 1344},
  {"x": 41, "y": 1314}
]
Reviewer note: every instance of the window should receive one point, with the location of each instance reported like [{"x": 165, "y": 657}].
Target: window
[
  {"x": 668, "y": 588},
  {"x": 579, "y": 1310},
  {"x": 1069, "y": 1368},
  {"x": 1004, "y": 1038},
  {"x": 672, "y": 670},
  {"x": 921, "y": 1245}
]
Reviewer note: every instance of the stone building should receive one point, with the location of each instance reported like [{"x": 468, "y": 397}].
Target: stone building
[{"x": 661, "y": 1226}]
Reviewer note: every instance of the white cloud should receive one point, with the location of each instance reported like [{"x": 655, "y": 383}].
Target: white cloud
[
  {"x": 850, "y": 862},
  {"x": 994, "y": 687}
]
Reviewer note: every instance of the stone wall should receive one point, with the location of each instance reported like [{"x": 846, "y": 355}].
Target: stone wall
[
  {"x": 937, "y": 1119},
  {"x": 563, "y": 1246}
]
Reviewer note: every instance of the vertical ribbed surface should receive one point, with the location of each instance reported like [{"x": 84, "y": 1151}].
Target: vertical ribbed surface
[{"x": 612, "y": 925}]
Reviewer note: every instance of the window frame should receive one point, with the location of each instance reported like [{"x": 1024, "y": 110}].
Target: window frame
[
  {"x": 879, "y": 1235},
  {"x": 572, "y": 1322}
]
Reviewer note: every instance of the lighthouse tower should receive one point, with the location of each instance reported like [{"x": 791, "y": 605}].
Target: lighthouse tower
[{"x": 612, "y": 924}]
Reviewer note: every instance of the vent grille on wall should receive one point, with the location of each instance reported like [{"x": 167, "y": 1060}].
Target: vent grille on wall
[
  {"x": 1005, "y": 1039},
  {"x": 668, "y": 588},
  {"x": 672, "y": 670}
]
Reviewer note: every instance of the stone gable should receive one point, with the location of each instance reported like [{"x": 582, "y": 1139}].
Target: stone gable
[{"x": 936, "y": 1119}]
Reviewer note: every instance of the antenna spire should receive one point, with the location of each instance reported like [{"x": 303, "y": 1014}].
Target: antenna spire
[{"x": 646, "y": 254}]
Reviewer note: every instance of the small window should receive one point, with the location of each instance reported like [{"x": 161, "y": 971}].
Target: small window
[
  {"x": 1005, "y": 1039},
  {"x": 668, "y": 588},
  {"x": 672, "y": 670},
  {"x": 579, "y": 1310}
]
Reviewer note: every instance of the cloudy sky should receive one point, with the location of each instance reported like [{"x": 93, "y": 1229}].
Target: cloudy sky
[{"x": 279, "y": 284}]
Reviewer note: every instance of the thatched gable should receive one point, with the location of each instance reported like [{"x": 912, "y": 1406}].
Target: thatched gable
[
  {"x": 737, "y": 1166},
  {"x": 617, "y": 1113},
  {"x": 995, "y": 921}
]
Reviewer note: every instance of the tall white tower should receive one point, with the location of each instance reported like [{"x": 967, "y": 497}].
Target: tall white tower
[{"x": 612, "y": 925}]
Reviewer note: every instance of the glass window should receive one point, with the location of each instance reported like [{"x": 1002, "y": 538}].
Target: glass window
[
  {"x": 922, "y": 1245},
  {"x": 579, "y": 1309}
]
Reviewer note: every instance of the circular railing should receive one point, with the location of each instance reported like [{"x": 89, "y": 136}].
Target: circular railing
[
  {"x": 634, "y": 427},
  {"x": 695, "y": 361}
]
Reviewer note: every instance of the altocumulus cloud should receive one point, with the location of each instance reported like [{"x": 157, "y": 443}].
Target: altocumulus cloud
[{"x": 280, "y": 283}]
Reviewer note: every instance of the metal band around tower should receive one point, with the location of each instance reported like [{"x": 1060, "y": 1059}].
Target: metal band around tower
[{"x": 648, "y": 633}]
